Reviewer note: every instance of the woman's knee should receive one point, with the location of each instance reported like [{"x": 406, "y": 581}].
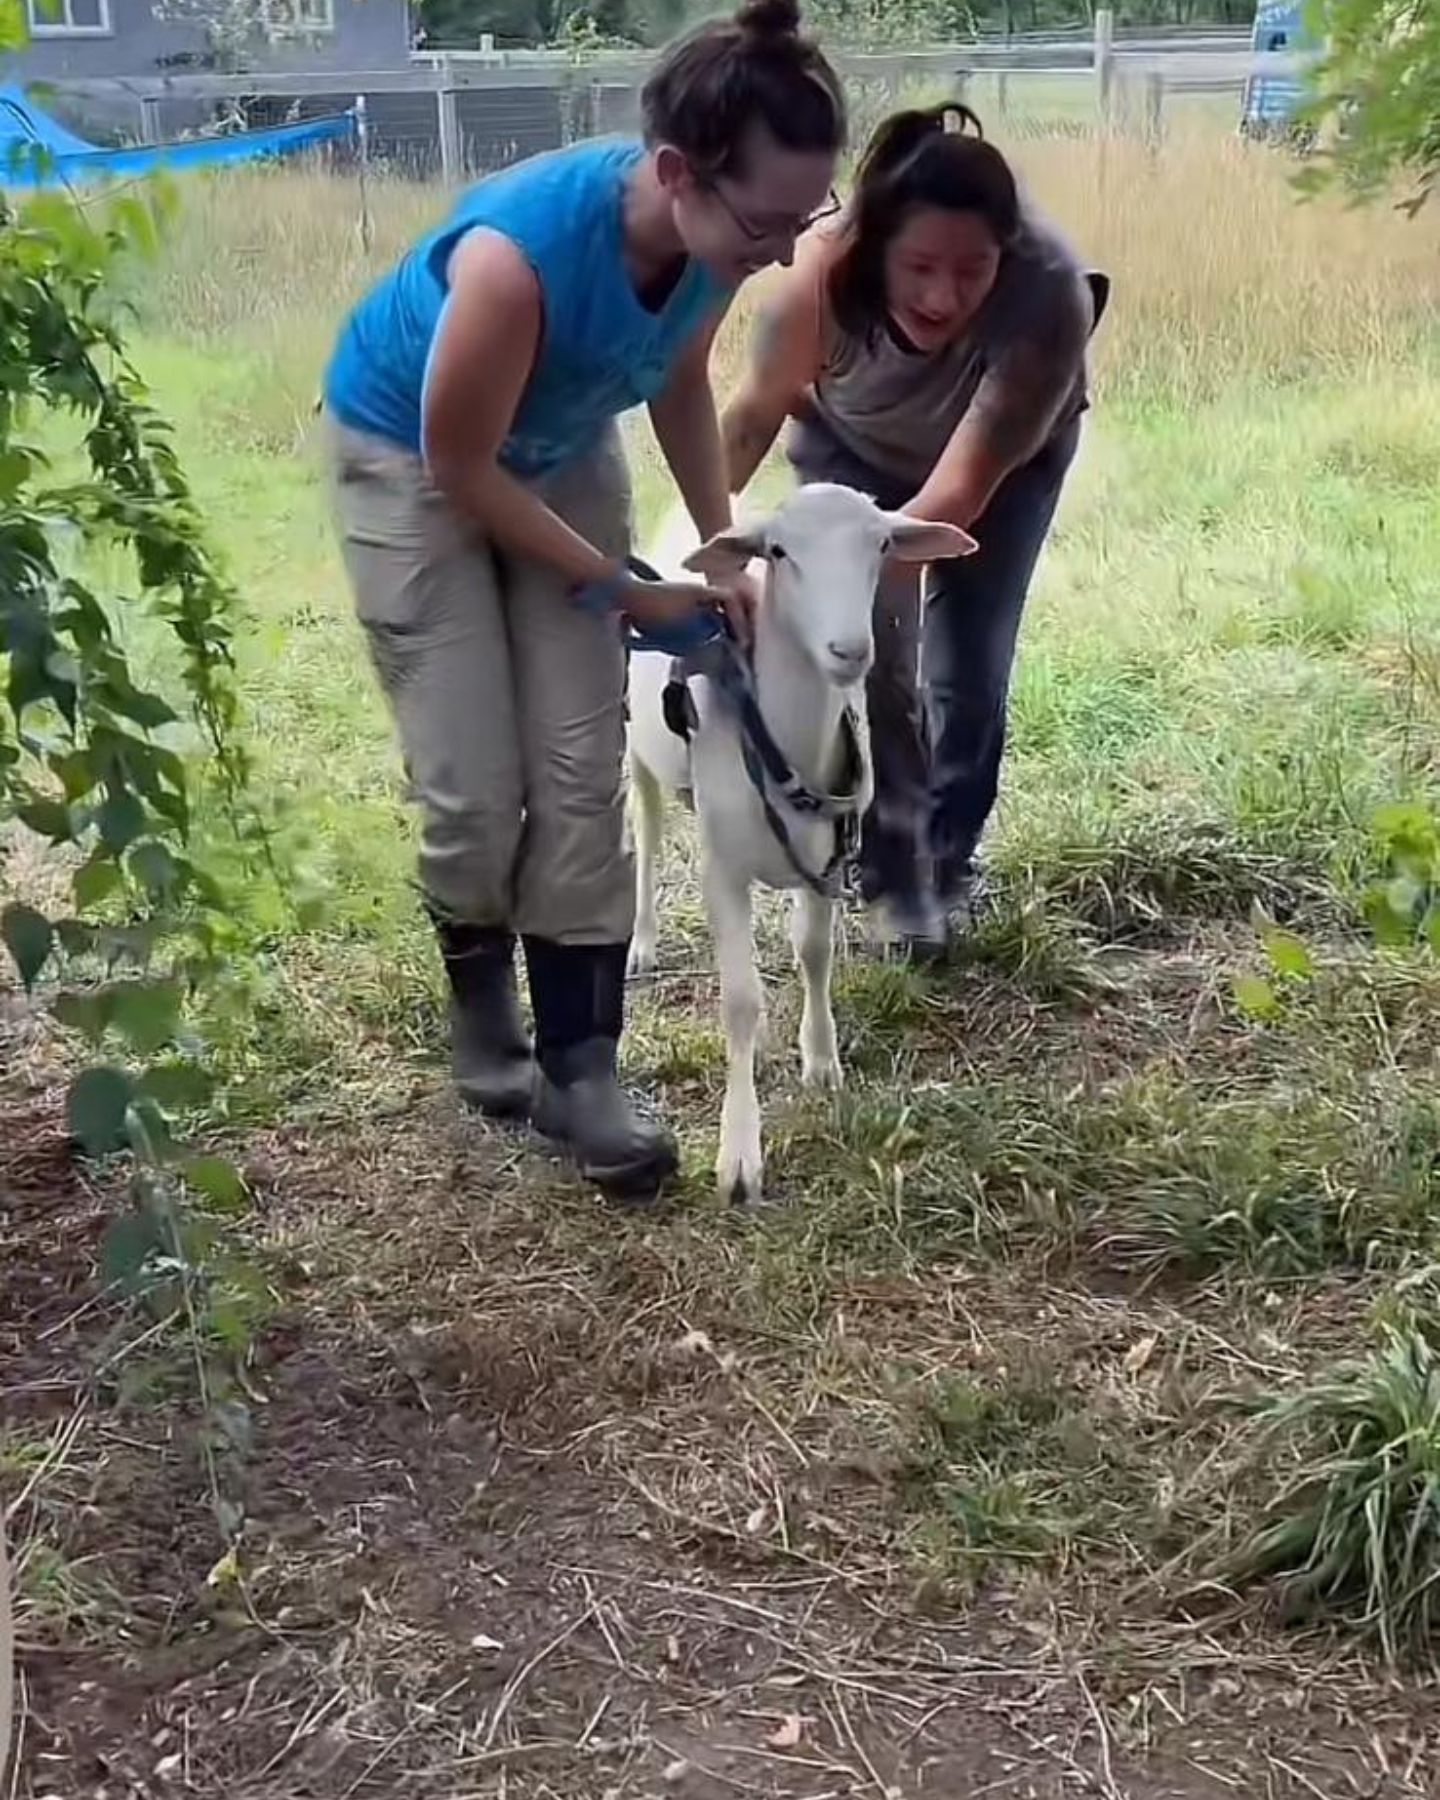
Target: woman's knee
[
  {"x": 467, "y": 859},
  {"x": 964, "y": 719}
]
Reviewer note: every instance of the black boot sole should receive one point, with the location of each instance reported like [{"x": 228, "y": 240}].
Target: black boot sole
[{"x": 636, "y": 1183}]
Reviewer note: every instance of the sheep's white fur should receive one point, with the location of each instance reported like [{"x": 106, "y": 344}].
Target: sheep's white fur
[{"x": 822, "y": 548}]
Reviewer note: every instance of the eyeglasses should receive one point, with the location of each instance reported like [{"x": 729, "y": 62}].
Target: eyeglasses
[{"x": 770, "y": 230}]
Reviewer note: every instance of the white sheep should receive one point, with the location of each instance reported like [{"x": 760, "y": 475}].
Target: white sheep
[{"x": 823, "y": 548}]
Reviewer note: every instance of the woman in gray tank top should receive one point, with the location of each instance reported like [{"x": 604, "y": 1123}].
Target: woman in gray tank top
[{"x": 929, "y": 348}]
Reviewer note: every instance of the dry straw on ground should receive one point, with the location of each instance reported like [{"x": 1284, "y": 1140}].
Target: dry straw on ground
[{"x": 918, "y": 1483}]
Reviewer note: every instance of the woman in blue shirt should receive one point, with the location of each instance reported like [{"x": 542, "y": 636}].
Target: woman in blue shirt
[{"x": 484, "y": 511}]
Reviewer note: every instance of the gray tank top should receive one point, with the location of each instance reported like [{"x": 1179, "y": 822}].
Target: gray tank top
[{"x": 896, "y": 408}]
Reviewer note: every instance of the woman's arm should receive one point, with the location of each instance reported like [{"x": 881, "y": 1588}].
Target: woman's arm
[
  {"x": 1011, "y": 417},
  {"x": 687, "y": 428},
  {"x": 484, "y": 352},
  {"x": 784, "y": 360}
]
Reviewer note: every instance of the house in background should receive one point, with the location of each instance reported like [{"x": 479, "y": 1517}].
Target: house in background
[
  {"x": 99, "y": 40},
  {"x": 102, "y": 56},
  {"x": 118, "y": 70}
]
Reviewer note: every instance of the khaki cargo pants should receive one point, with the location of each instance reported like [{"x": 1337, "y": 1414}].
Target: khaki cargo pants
[{"x": 508, "y": 699}]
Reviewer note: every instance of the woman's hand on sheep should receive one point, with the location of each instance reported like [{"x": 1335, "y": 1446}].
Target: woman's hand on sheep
[
  {"x": 670, "y": 602},
  {"x": 740, "y": 596}
]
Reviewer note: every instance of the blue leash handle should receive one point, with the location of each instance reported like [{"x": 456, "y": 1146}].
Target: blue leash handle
[{"x": 680, "y": 639}]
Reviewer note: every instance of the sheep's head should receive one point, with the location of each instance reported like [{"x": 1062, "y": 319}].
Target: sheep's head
[{"x": 824, "y": 546}]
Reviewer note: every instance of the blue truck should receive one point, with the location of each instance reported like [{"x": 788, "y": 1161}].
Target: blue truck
[{"x": 1273, "y": 99}]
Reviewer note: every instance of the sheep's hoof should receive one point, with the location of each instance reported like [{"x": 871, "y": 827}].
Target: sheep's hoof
[
  {"x": 641, "y": 960},
  {"x": 821, "y": 1072},
  {"x": 740, "y": 1186}
]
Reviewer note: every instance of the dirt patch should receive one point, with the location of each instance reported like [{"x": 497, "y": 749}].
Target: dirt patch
[{"x": 526, "y": 1520}]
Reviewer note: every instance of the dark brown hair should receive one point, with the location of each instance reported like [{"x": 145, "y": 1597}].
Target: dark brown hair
[
  {"x": 710, "y": 86},
  {"x": 937, "y": 156}
]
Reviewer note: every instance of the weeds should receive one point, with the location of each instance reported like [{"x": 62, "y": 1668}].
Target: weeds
[
  {"x": 1073, "y": 1190},
  {"x": 1018, "y": 1465},
  {"x": 1354, "y": 1534}
]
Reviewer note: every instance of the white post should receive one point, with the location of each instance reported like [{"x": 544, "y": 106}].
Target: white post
[
  {"x": 1154, "y": 107},
  {"x": 362, "y": 154},
  {"x": 1104, "y": 62},
  {"x": 1002, "y": 93},
  {"x": 448, "y": 116},
  {"x": 150, "y": 118}
]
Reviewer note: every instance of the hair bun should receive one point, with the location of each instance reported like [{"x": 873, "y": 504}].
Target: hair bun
[
  {"x": 769, "y": 18},
  {"x": 954, "y": 116}
]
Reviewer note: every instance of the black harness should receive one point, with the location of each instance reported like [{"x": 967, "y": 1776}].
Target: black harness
[{"x": 777, "y": 786}]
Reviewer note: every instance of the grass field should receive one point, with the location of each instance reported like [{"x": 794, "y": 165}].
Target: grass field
[{"x": 944, "y": 1477}]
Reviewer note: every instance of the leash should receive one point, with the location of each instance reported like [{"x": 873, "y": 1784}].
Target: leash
[
  {"x": 682, "y": 638},
  {"x": 704, "y": 645},
  {"x": 775, "y": 782}
]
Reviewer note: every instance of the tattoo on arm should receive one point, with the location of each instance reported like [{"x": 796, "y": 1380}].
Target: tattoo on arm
[{"x": 1020, "y": 397}]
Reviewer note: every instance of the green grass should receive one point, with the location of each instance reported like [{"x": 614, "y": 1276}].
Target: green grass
[
  {"x": 1354, "y": 1531},
  {"x": 1232, "y": 658}
]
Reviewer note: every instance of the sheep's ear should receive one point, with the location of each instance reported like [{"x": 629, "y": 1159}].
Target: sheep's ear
[
  {"x": 924, "y": 540},
  {"x": 726, "y": 553}
]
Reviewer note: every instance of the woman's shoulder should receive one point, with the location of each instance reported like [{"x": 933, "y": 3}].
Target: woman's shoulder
[
  {"x": 1045, "y": 252},
  {"x": 803, "y": 290},
  {"x": 555, "y": 187},
  {"x": 1044, "y": 284}
]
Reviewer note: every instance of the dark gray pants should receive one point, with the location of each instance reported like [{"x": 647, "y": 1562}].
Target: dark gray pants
[{"x": 937, "y": 762}]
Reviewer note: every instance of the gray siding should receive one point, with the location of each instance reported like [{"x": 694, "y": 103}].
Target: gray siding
[{"x": 368, "y": 35}]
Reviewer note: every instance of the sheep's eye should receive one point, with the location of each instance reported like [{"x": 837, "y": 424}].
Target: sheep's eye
[
  {"x": 886, "y": 545},
  {"x": 777, "y": 553}
]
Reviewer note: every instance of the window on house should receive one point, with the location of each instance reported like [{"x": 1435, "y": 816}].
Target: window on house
[
  {"x": 300, "y": 18},
  {"x": 68, "y": 18}
]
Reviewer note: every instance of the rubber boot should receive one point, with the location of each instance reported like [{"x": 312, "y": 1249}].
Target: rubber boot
[
  {"x": 490, "y": 1053},
  {"x": 578, "y": 993},
  {"x": 913, "y": 929}
]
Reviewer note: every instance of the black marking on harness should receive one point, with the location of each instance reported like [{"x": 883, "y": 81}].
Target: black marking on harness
[{"x": 678, "y": 703}]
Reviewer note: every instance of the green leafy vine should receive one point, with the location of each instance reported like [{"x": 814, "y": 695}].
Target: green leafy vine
[{"x": 102, "y": 772}]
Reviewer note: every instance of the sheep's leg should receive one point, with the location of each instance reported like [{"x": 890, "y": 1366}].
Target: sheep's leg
[
  {"x": 649, "y": 817},
  {"x": 812, "y": 933},
  {"x": 738, "y": 1166}
]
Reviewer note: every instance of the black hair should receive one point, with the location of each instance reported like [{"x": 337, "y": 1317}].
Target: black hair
[
  {"x": 757, "y": 68},
  {"x": 932, "y": 156}
]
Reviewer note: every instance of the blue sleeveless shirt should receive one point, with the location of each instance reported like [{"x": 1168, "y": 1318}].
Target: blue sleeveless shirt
[{"x": 601, "y": 351}]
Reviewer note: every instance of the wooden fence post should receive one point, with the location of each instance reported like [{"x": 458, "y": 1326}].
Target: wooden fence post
[
  {"x": 1154, "y": 107},
  {"x": 452, "y": 154},
  {"x": 362, "y": 163},
  {"x": 1104, "y": 61}
]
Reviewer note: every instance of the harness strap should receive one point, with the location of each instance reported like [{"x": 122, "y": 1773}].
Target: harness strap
[
  {"x": 829, "y": 881},
  {"x": 723, "y": 662}
]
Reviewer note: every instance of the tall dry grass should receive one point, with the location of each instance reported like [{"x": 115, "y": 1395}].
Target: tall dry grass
[{"x": 1220, "y": 274}]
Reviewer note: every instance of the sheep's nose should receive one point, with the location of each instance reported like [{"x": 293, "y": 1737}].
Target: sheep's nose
[{"x": 850, "y": 650}]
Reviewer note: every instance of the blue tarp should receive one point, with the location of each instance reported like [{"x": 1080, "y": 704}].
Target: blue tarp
[{"x": 38, "y": 151}]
